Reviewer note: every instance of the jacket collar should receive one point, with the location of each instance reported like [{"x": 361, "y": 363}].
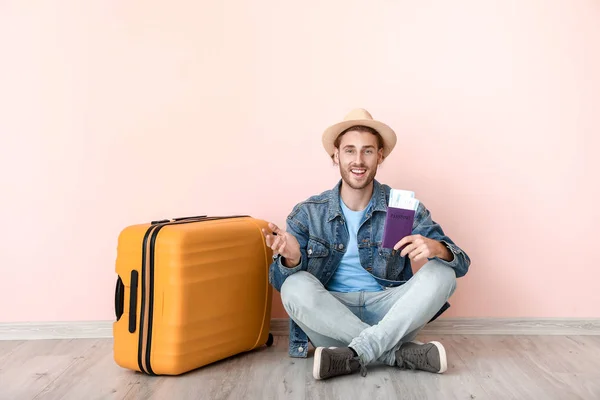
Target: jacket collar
[{"x": 378, "y": 201}]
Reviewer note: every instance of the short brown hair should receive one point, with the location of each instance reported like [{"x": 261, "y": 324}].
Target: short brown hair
[{"x": 359, "y": 128}]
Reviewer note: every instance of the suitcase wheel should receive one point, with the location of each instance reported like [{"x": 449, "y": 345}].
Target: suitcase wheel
[{"x": 270, "y": 340}]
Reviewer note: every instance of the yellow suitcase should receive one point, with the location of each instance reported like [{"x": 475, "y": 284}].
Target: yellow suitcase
[{"x": 190, "y": 291}]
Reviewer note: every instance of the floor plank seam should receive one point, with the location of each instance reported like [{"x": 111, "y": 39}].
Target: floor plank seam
[
  {"x": 131, "y": 386},
  {"x": 69, "y": 365},
  {"x": 470, "y": 371},
  {"x": 12, "y": 350}
]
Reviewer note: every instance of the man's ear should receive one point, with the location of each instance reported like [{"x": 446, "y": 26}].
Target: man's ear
[
  {"x": 380, "y": 156},
  {"x": 336, "y": 157}
]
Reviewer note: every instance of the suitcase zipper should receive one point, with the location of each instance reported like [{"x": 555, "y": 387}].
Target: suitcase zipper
[{"x": 147, "y": 284}]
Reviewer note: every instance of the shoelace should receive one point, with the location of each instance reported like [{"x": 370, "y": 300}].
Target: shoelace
[
  {"x": 363, "y": 370},
  {"x": 407, "y": 364},
  {"x": 338, "y": 363},
  {"x": 343, "y": 363},
  {"x": 418, "y": 358}
]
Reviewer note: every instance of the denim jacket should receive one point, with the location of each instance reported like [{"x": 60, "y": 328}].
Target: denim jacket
[{"x": 318, "y": 225}]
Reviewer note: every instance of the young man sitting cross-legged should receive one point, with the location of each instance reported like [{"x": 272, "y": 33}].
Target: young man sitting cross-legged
[{"x": 356, "y": 301}]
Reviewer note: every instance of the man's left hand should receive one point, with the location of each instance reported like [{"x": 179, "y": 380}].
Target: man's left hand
[{"x": 419, "y": 247}]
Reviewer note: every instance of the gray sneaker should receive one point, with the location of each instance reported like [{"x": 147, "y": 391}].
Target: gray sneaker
[
  {"x": 335, "y": 361},
  {"x": 429, "y": 357}
]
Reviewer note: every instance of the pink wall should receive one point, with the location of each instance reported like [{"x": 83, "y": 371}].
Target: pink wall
[{"x": 112, "y": 113}]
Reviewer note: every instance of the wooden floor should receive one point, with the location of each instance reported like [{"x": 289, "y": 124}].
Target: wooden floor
[{"x": 479, "y": 367}]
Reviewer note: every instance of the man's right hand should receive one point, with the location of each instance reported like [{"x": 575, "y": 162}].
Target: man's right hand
[{"x": 283, "y": 243}]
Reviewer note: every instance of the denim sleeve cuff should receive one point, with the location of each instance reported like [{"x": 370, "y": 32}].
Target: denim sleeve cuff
[
  {"x": 288, "y": 271},
  {"x": 454, "y": 251}
]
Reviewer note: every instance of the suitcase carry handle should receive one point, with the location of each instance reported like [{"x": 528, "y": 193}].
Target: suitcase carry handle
[
  {"x": 198, "y": 217},
  {"x": 162, "y": 221},
  {"x": 184, "y": 218}
]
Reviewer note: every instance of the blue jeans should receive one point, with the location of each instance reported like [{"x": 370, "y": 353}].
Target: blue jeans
[{"x": 374, "y": 324}]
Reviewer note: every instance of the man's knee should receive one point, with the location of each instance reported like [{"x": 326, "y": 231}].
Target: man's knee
[
  {"x": 436, "y": 271},
  {"x": 296, "y": 289}
]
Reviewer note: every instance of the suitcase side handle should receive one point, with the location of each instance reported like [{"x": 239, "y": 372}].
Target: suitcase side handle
[
  {"x": 119, "y": 298},
  {"x": 133, "y": 301}
]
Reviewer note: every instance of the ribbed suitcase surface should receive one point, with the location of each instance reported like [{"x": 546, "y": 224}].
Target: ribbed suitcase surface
[{"x": 190, "y": 292}]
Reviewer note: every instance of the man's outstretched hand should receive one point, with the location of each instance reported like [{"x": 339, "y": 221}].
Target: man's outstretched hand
[
  {"x": 420, "y": 247},
  {"x": 283, "y": 243}
]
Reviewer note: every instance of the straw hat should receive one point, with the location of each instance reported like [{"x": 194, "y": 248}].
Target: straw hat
[{"x": 359, "y": 116}]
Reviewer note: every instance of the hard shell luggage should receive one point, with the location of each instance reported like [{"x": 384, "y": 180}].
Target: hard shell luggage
[{"x": 189, "y": 292}]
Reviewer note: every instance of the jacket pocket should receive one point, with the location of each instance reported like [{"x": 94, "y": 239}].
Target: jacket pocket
[
  {"x": 386, "y": 254},
  {"x": 316, "y": 253},
  {"x": 391, "y": 264}
]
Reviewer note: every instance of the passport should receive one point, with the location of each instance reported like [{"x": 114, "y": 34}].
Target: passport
[{"x": 400, "y": 217}]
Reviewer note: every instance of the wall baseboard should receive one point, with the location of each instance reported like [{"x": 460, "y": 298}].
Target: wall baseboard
[
  {"x": 280, "y": 327},
  {"x": 514, "y": 326},
  {"x": 492, "y": 326},
  {"x": 56, "y": 330}
]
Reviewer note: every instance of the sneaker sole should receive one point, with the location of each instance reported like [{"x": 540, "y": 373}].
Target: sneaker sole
[
  {"x": 443, "y": 358},
  {"x": 317, "y": 363}
]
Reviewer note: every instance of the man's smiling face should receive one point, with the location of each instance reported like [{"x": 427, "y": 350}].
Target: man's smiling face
[{"x": 358, "y": 157}]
